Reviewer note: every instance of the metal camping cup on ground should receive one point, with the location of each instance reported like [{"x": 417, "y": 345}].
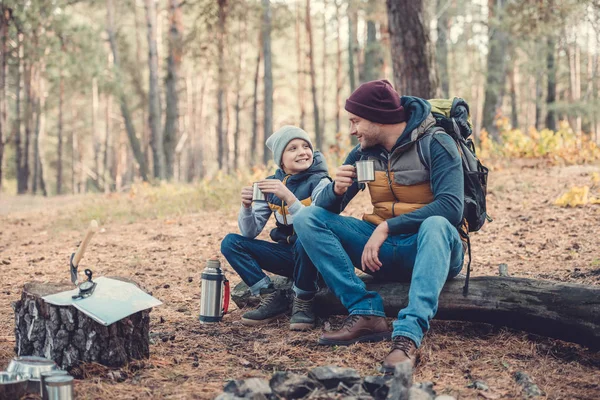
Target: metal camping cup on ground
[
  {"x": 214, "y": 297},
  {"x": 59, "y": 387},
  {"x": 47, "y": 374},
  {"x": 257, "y": 194},
  {"x": 365, "y": 171}
]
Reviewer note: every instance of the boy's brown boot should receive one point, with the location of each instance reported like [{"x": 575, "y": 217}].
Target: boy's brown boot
[{"x": 403, "y": 349}]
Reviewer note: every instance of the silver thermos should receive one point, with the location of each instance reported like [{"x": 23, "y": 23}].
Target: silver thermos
[{"x": 214, "y": 297}]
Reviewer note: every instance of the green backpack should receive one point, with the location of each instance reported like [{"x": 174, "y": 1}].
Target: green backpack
[{"x": 453, "y": 116}]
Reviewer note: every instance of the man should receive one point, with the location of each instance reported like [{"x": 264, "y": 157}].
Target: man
[{"x": 417, "y": 198}]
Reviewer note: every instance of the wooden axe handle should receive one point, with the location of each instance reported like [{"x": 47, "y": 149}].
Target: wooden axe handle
[{"x": 86, "y": 240}]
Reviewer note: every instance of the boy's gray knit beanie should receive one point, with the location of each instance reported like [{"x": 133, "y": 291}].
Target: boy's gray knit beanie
[{"x": 280, "y": 138}]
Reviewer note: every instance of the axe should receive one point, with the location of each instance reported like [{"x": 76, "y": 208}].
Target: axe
[{"x": 78, "y": 255}]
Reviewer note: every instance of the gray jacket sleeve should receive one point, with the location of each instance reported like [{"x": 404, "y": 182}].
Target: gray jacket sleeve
[
  {"x": 297, "y": 206},
  {"x": 252, "y": 220}
]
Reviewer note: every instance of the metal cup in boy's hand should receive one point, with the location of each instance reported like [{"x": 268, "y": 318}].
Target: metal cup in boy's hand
[{"x": 247, "y": 196}]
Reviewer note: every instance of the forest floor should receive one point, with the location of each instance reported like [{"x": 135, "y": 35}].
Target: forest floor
[{"x": 166, "y": 252}]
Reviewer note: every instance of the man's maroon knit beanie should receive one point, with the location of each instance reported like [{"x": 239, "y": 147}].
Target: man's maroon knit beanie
[{"x": 376, "y": 101}]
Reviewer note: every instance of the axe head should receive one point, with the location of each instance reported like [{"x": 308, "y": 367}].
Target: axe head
[{"x": 73, "y": 268}]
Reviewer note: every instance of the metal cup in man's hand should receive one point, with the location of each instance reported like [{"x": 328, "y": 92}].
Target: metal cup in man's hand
[
  {"x": 365, "y": 171},
  {"x": 257, "y": 194}
]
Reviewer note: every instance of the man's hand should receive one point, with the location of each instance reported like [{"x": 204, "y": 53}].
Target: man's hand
[
  {"x": 370, "y": 255},
  {"x": 343, "y": 179},
  {"x": 247, "y": 196},
  {"x": 277, "y": 187}
]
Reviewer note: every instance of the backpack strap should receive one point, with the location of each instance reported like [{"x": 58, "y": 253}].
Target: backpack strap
[{"x": 424, "y": 145}]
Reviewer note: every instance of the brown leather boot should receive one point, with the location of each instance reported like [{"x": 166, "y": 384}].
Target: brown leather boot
[
  {"x": 403, "y": 349},
  {"x": 358, "y": 328}
]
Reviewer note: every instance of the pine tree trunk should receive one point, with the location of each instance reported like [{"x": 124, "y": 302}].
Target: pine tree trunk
[
  {"x": 154, "y": 107},
  {"x": 41, "y": 131},
  {"x": 412, "y": 52},
  {"x": 108, "y": 112},
  {"x": 222, "y": 86},
  {"x": 173, "y": 67},
  {"x": 18, "y": 116},
  {"x": 301, "y": 59},
  {"x": 254, "y": 141},
  {"x": 551, "y": 95},
  {"x": 441, "y": 46},
  {"x": 352, "y": 42},
  {"x": 95, "y": 135},
  {"x": 133, "y": 140},
  {"x": 324, "y": 72},
  {"x": 514, "y": 118},
  {"x": 4, "y": 21},
  {"x": 497, "y": 69},
  {"x": 372, "y": 67},
  {"x": 68, "y": 336},
  {"x": 59, "y": 146},
  {"x": 238, "y": 95},
  {"x": 313, "y": 78},
  {"x": 338, "y": 69},
  {"x": 268, "y": 76},
  {"x": 28, "y": 72}
]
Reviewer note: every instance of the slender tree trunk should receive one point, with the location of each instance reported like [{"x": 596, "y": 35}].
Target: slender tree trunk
[
  {"x": 154, "y": 107},
  {"x": 514, "y": 118},
  {"x": 538, "y": 95},
  {"x": 133, "y": 140},
  {"x": 551, "y": 95},
  {"x": 139, "y": 78},
  {"x": 324, "y": 71},
  {"x": 17, "y": 121},
  {"x": 173, "y": 66},
  {"x": 352, "y": 42},
  {"x": 37, "y": 164},
  {"x": 238, "y": 95},
  {"x": 223, "y": 144},
  {"x": 61, "y": 100},
  {"x": 412, "y": 52},
  {"x": 41, "y": 131},
  {"x": 4, "y": 21},
  {"x": 107, "y": 144},
  {"x": 496, "y": 67},
  {"x": 95, "y": 136},
  {"x": 254, "y": 141},
  {"x": 338, "y": 70},
  {"x": 268, "y": 78},
  {"x": 73, "y": 142},
  {"x": 441, "y": 46},
  {"x": 573, "y": 54},
  {"x": 313, "y": 78},
  {"x": 301, "y": 59},
  {"x": 28, "y": 72}
]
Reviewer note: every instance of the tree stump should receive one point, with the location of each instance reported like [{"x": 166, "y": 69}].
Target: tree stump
[{"x": 68, "y": 336}]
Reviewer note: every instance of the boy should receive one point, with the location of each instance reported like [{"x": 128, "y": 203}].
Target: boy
[{"x": 300, "y": 178}]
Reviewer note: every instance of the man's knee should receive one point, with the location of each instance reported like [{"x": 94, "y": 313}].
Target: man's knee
[
  {"x": 435, "y": 224},
  {"x": 307, "y": 217}
]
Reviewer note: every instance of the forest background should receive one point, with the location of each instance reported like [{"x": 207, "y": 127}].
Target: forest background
[{"x": 96, "y": 95}]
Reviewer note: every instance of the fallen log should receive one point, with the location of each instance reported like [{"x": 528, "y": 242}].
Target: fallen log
[
  {"x": 68, "y": 336},
  {"x": 559, "y": 310}
]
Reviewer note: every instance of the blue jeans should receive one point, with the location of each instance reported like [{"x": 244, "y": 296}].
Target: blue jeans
[
  {"x": 250, "y": 257},
  {"x": 427, "y": 259}
]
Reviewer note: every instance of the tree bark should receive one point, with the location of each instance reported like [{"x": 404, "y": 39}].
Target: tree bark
[
  {"x": 412, "y": 52},
  {"x": 324, "y": 72},
  {"x": 254, "y": 141},
  {"x": 133, "y": 140},
  {"x": 154, "y": 107},
  {"x": 551, "y": 95},
  {"x": 21, "y": 188},
  {"x": 313, "y": 78},
  {"x": 268, "y": 76},
  {"x": 352, "y": 42},
  {"x": 301, "y": 59},
  {"x": 238, "y": 95},
  {"x": 68, "y": 336},
  {"x": 496, "y": 68},
  {"x": 61, "y": 100},
  {"x": 223, "y": 143},
  {"x": 28, "y": 72},
  {"x": 4, "y": 21},
  {"x": 338, "y": 69},
  {"x": 441, "y": 46},
  {"x": 514, "y": 117},
  {"x": 173, "y": 66}
]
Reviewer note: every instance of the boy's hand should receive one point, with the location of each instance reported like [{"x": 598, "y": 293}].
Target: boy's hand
[
  {"x": 343, "y": 179},
  {"x": 247, "y": 196},
  {"x": 277, "y": 187},
  {"x": 370, "y": 255}
]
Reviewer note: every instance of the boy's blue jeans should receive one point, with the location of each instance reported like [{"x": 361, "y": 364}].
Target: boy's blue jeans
[
  {"x": 249, "y": 257},
  {"x": 427, "y": 259}
]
